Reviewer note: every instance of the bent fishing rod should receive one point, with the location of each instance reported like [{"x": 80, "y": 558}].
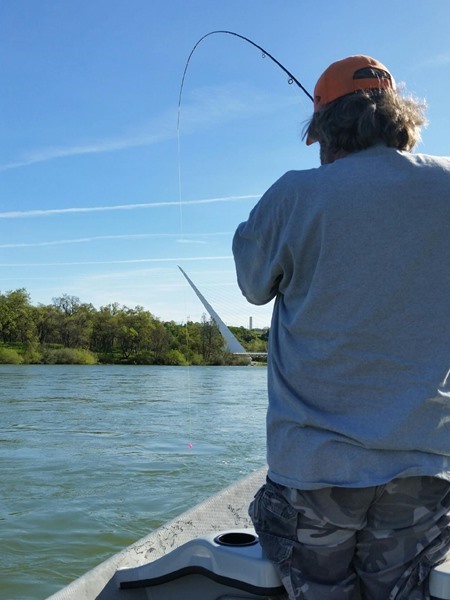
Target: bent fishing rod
[{"x": 292, "y": 79}]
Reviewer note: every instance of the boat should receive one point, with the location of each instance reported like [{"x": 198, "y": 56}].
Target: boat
[
  {"x": 210, "y": 552},
  {"x": 206, "y": 553}
]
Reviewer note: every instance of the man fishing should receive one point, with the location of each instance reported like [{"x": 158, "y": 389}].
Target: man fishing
[{"x": 355, "y": 253}]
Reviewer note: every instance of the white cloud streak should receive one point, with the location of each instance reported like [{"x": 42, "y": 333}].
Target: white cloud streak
[
  {"x": 117, "y": 262},
  {"x": 209, "y": 106},
  {"x": 112, "y": 145},
  {"x": 132, "y": 236},
  {"x": 17, "y": 214}
]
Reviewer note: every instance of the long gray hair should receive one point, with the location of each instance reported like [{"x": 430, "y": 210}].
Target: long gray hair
[{"x": 365, "y": 118}]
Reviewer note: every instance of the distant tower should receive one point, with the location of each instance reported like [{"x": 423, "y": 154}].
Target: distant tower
[{"x": 250, "y": 323}]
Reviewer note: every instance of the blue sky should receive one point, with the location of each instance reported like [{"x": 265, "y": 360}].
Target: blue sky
[{"x": 96, "y": 201}]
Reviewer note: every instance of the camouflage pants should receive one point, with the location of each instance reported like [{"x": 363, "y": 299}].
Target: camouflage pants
[{"x": 376, "y": 543}]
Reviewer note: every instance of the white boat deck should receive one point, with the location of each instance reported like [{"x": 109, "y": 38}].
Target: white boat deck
[{"x": 225, "y": 511}]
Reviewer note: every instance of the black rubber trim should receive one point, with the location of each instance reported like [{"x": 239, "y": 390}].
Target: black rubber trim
[{"x": 235, "y": 583}]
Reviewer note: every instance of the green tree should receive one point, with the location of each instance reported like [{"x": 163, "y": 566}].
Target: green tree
[
  {"x": 161, "y": 341},
  {"x": 253, "y": 340},
  {"x": 134, "y": 330},
  {"x": 175, "y": 357},
  {"x": 66, "y": 304},
  {"x": 75, "y": 321},
  {"x": 105, "y": 330},
  {"x": 16, "y": 321},
  {"x": 78, "y": 327},
  {"x": 47, "y": 321},
  {"x": 212, "y": 342},
  {"x": 9, "y": 356}
]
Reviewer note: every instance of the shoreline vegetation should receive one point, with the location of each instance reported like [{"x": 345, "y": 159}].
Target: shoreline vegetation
[{"x": 71, "y": 332}]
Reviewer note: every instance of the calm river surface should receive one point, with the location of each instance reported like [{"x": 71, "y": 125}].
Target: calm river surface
[{"x": 94, "y": 457}]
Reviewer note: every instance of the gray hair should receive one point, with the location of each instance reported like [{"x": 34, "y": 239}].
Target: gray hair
[{"x": 365, "y": 118}]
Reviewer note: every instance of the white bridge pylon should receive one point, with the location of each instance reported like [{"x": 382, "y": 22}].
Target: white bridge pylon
[{"x": 233, "y": 344}]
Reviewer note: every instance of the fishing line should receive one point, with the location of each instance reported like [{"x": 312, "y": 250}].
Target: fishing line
[
  {"x": 181, "y": 226},
  {"x": 291, "y": 79}
]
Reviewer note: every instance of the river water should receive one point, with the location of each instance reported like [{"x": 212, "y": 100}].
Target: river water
[{"x": 94, "y": 457}]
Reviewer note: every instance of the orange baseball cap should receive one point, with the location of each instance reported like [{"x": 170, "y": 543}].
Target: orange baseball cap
[{"x": 350, "y": 75}]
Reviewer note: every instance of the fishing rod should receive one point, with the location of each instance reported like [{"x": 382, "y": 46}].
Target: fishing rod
[{"x": 292, "y": 79}]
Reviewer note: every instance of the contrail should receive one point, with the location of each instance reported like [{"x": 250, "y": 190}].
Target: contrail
[
  {"x": 116, "y": 262},
  {"x": 126, "y": 236},
  {"x": 209, "y": 105},
  {"x": 22, "y": 214}
]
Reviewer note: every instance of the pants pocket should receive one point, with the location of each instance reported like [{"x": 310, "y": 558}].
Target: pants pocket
[
  {"x": 275, "y": 522},
  {"x": 414, "y": 583}
]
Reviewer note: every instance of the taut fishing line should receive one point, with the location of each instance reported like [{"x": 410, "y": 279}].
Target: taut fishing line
[{"x": 291, "y": 79}]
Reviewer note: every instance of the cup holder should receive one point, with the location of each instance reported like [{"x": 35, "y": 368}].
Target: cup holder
[{"x": 236, "y": 538}]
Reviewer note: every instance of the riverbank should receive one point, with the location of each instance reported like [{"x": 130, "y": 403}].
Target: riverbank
[{"x": 19, "y": 354}]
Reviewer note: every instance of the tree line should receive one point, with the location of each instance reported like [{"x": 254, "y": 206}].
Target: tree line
[{"x": 70, "y": 331}]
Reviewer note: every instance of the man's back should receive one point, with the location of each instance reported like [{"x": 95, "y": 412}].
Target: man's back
[{"x": 360, "y": 334}]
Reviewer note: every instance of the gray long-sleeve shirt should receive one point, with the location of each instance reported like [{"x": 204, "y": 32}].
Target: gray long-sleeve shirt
[{"x": 357, "y": 255}]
